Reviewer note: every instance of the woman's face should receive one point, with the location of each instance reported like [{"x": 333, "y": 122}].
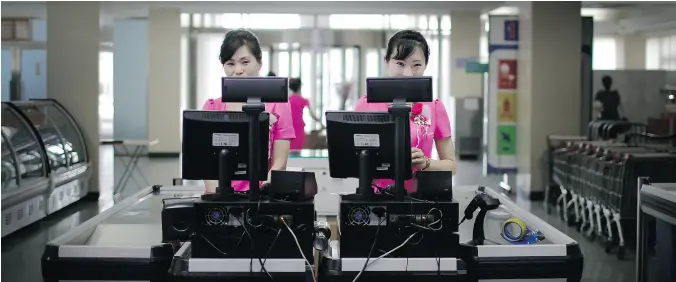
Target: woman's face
[
  {"x": 414, "y": 65},
  {"x": 242, "y": 63}
]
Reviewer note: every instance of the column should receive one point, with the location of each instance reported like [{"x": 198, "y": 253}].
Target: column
[
  {"x": 465, "y": 36},
  {"x": 130, "y": 81},
  {"x": 631, "y": 52},
  {"x": 164, "y": 81},
  {"x": 466, "y": 89},
  {"x": 73, "y": 68},
  {"x": 549, "y": 85}
]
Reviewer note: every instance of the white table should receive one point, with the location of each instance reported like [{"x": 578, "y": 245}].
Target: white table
[{"x": 131, "y": 165}]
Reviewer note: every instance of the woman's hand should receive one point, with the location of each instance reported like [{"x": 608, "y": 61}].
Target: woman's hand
[{"x": 418, "y": 158}]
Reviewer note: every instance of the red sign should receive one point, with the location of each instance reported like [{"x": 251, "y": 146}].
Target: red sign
[{"x": 507, "y": 74}]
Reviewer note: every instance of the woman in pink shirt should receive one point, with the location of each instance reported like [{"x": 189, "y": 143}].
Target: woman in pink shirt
[
  {"x": 407, "y": 55},
  {"x": 298, "y": 104},
  {"x": 241, "y": 56}
]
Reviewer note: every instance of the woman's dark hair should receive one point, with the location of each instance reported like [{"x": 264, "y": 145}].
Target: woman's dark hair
[
  {"x": 294, "y": 84},
  {"x": 237, "y": 38},
  {"x": 405, "y": 42}
]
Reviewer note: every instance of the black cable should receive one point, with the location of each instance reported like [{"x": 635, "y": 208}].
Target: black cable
[
  {"x": 272, "y": 245},
  {"x": 373, "y": 245},
  {"x": 463, "y": 220},
  {"x": 252, "y": 250},
  {"x": 218, "y": 249}
]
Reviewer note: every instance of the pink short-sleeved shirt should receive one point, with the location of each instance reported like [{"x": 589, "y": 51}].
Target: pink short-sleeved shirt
[
  {"x": 281, "y": 128},
  {"x": 297, "y": 104},
  {"x": 435, "y": 126}
]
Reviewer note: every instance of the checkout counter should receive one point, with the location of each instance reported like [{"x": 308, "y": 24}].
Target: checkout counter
[
  {"x": 125, "y": 243},
  {"x": 656, "y": 248}
]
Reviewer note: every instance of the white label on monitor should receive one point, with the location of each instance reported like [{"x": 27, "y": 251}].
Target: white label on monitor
[
  {"x": 366, "y": 140},
  {"x": 225, "y": 140}
]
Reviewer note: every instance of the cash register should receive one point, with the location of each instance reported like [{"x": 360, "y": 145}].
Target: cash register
[
  {"x": 389, "y": 233},
  {"x": 266, "y": 233}
]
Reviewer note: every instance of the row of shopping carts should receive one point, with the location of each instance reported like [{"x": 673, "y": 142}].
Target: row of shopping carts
[{"x": 598, "y": 178}]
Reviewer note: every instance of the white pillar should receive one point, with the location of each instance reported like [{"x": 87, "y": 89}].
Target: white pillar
[
  {"x": 549, "y": 84},
  {"x": 465, "y": 37},
  {"x": 631, "y": 52},
  {"x": 164, "y": 80},
  {"x": 130, "y": 81},
  {"x": 73, "y": 36}
]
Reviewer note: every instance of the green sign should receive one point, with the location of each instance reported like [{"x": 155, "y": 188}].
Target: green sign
[
  {"x": 506, "y": 139},
  {"x": 475, "y": 67}
]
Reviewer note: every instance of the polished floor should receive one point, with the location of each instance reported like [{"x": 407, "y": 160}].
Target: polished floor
[{"x": 21, "y": 251}]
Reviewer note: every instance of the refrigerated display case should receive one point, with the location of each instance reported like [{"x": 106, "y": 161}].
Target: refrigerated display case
[{"x": 45, "y": 165}]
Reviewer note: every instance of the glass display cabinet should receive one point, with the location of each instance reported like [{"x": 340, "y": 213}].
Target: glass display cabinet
[{"x": 45, "y": 165}]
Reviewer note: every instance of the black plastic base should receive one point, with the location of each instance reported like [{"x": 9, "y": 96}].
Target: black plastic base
[
  {"x": 329, "y": 270},
  {"x": 357, "y": 234},
  {"x": 567, "y": 267},
  {"x": 153, "y": 268},
  {"x": 228, "y": 238}
]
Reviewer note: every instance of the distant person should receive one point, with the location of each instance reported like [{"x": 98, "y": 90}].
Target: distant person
[
  {"x": 272, "y": 73},
  {"x": 607, "y": 102},
  {"x": 298, "y": 104}
]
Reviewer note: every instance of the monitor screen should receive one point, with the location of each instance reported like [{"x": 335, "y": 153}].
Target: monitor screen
[
  {"x": 348, "y": 133},
  {"x": 207, "y": 133}
]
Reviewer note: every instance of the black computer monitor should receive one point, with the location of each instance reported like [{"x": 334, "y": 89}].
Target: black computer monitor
[
  {"x": 405, "y": 89},
  {"x": 361, "y": 146},
  {"x": 398, "y": 91},
  {"x": 216, "y": 147},
  {"x": 266, "y": 89}
]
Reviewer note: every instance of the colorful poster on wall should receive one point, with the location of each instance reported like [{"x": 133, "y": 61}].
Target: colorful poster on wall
[
  {"x": 506, "y": 140},
  {"x": 502, "y": 88},
  {"x": 506, "y": 107},
  {"x": 507, "y": 74},
  {"x": 511, "y": 30}
]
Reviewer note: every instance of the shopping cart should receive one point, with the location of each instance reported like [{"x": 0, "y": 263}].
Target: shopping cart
[
  {"x": 598, "y": 182},
  {"x": 612, "y": 129},
  {"x": 554, "y": 143}
]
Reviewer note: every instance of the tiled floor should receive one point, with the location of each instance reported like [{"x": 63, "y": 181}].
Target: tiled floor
[{"x": 21, "y": 252}]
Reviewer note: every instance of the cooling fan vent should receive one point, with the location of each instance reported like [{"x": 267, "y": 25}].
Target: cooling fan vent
[
  {"x": 359, "y": 216},
  {"x": 216, "y": 216}
]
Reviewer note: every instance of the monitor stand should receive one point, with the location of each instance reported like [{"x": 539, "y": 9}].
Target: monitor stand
[
  {"x": 226, "y": 168},
  {"x": 253, "y": 109},
  {"x": 366, "y": 164},
  {"x": 400, "y": 111}
]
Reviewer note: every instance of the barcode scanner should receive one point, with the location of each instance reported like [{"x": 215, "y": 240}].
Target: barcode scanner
[{"x": 484, "y": 203}]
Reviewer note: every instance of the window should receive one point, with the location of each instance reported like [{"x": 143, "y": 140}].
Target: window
[
  {"x": 209, "y": 70},
  {"x": 432, "y": 66},
  {"x": 283, "y": 64},
  {"x": 197, "y": 20},
  {"x": 661, "y": 53},
  {"x": 399, "y": 22},
  {"x": 271, "y": 21},
  {"x": 185, "y": 20},
  {"x": 295, "y": 63},
  {"x": 446, "y": 25},
  {"x": 231, "y": 21},
  {"x": 445, "y": 56},
  {"x": 652, "y": 54},
  {"x": 346, "y": 21},
  {"x": 604, "y": 53},
  {"x": 373, "y": 62},
  {"x": 350, "y": 63}
]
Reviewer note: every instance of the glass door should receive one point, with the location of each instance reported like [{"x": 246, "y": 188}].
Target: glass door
[{"x": 339, "y": 77}]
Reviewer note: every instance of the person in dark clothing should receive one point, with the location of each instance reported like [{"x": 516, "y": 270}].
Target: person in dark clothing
[{"x": 607, "y": 102}]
